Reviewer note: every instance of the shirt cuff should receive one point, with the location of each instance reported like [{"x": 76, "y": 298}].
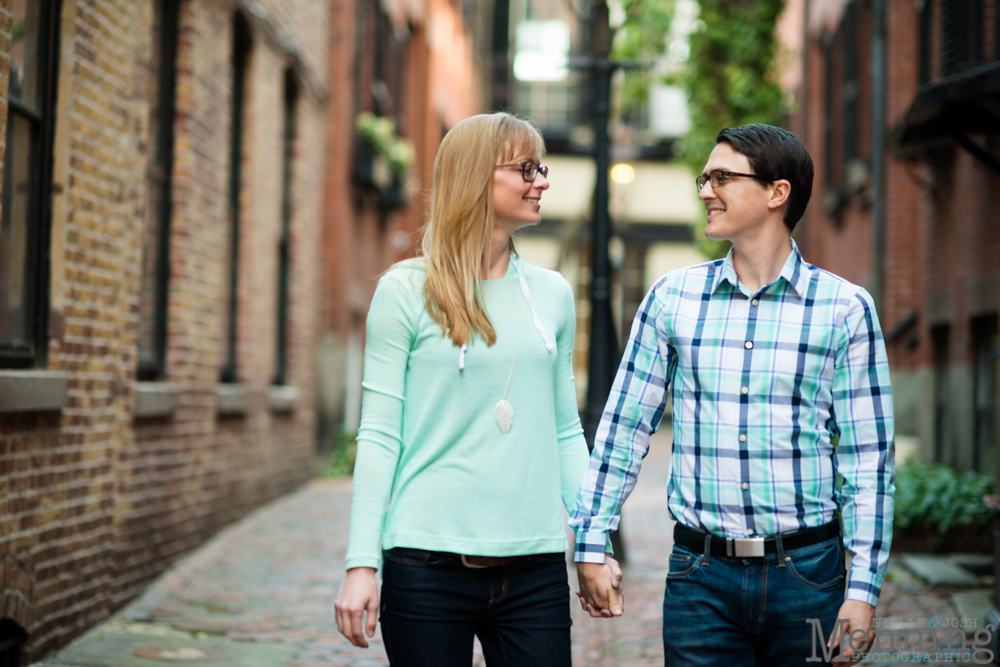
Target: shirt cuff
[
  {"x": 591, "y": 547},
  {"x": 363, "y": 561},
  {"x": 864, "y": 587}
]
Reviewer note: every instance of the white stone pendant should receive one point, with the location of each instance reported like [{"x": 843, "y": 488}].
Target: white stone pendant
[{"x": 504, "y": 415}]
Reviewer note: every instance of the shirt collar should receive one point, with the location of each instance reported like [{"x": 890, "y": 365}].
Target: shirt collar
[{"x": 793, "y": 272}]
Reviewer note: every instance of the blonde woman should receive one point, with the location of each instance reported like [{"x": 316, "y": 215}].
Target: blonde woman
[{"x": 470, "y": 443}]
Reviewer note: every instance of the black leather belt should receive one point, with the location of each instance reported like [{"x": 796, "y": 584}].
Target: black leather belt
[{"x": 753, "y": 547}]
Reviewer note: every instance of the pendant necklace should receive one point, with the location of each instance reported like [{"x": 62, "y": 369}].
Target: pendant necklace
[{"x": 503, "y": 412}]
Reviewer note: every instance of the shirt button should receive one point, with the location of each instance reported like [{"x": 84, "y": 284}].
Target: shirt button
[
  {"x": 749, "y": 531},
  {"x": 754, "y": 302},
  {"x": 748, "y": 345},
  {"x": 745, "y": 390},
  {"x": 743, "y": 437},
  {"x": 745, "y": 486}
]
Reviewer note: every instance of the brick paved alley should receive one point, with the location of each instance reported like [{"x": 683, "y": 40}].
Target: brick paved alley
[{"x": 261, "y": 593}]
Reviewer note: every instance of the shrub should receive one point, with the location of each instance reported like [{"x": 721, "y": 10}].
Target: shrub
[
  {"x": 933, "y": 496},
  {"x": 345, "y": 450}
]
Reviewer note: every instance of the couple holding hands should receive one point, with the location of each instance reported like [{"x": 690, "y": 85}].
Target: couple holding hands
[{"x": 470, "y": 443}]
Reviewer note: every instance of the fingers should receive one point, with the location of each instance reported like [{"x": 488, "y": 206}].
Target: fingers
[
  {"x": 357, "y": 597},
  {"x": 372, "y": 617}
]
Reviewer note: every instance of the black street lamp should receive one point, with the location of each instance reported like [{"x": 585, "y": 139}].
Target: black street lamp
[{"x": 604, "y": 350}]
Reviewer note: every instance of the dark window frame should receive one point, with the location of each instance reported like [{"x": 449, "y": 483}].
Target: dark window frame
[
  {"x": 161, "y": 170},
  {"x": 941, "y": 340},
  {"x": 984, "y": 341},
  {"x": 924, "y": 66},
  {"x": 961, "y": 36},
  {"x": 242, "y": 48},
  {"x": 291, "y": 99},
  {"x": 34, "y": 354}
]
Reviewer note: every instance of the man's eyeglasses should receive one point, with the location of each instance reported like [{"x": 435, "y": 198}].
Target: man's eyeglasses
[
  {"x": 529, "y": 170},
  {"x": 718, "y": 178}
]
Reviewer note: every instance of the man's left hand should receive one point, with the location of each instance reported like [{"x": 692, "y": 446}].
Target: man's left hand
[{"x": 860, "y": 616}]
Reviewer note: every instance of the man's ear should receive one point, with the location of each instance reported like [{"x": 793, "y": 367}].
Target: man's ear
[{"x": 781, "y": 190}]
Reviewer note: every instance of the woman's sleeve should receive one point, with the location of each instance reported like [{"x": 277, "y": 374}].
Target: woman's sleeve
[
  {"x": 390, "y": 333},
  {"x": 573, "y": 456}
]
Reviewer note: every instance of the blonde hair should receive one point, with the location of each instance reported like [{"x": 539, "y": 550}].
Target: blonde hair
[{"x": 457, "y": 238}]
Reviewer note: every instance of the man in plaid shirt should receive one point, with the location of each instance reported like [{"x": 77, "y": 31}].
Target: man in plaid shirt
[{"x": 782, "y": 432}]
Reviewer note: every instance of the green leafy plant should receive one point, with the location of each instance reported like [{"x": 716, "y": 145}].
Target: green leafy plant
[
  {"x": 642, "y": 36},
  {"x": 343, "y": 456},
  {"x": 933, "y": 496},
  {"x": 378, "y": 133},
  {"x": 730, "y": 80}
]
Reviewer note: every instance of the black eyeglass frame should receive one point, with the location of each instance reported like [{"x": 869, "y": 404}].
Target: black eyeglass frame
[
  {"x": 724, "y": 177},
  {"x": 526, "y": 168}
]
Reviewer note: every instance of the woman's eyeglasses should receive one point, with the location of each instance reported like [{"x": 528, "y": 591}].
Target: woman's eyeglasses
[
  {"x": 718, "y": 178},
  {"x": 529, "y": 170}
]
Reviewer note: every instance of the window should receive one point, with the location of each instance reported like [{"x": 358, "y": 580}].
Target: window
[
  {"x": 284, "y": 242},
  {"x": 159, "y": 206},
  {"x": 961, "y": 35},
  {"x": 940, "y": 337},
  {"x": 925, "y": 41},
  {"x": 241, "y": 57},
  {"x": 850, "y": 43},
  {"x": 27, "y": 176},
  {"x": 984, "y": 340}
]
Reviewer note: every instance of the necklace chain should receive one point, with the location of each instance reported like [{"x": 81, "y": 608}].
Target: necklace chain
[{"x": 496, "y": 364}]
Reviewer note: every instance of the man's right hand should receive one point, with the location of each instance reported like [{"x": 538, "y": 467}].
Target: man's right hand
[
  {"x": 358, "y": 595},
  {"x": 600, "y": 588}
]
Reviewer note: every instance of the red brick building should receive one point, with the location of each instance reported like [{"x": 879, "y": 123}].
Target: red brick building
[
  {"x": 159, "y": 272},
  {"x": 423, "y": 64},
  {"x": 898, "y": 105}
]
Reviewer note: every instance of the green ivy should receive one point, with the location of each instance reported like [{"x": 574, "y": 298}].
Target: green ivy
[
  {"x": 345, "y": 451},
  {"x": 730, "y": 81},
  {"x": 933, "y": 496},
  {"x": 641, "y": 36}
]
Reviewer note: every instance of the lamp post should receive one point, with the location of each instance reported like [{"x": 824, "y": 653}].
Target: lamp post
[{"x": 604, "y": 351}]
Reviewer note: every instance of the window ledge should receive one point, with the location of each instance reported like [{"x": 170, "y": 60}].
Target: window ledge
[
  {"x": 283, "y": 398},
  {"x": 33, "y": 391},
  {"x": 155, "y": 399},
  {"x": 232, "y": 399}
]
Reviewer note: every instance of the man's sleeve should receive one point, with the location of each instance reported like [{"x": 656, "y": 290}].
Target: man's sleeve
[
  {"x": 862, "y": 399},
  {"x": 633, "y": 411}
]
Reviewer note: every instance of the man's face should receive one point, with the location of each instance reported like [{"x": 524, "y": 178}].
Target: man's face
[{"x": 738, "y": 206}]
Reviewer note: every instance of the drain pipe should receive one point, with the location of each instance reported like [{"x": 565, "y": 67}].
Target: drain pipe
[{"x": 878, "y": 152}]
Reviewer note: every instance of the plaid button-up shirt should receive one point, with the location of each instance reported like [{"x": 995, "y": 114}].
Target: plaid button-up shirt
[{"x": 782, "y": 413}]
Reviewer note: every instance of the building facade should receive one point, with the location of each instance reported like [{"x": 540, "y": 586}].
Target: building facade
[
  {"x": 898, "y": 106},
  {"x": 159, "y": 271},
  {"x": 420, "y": 64}
]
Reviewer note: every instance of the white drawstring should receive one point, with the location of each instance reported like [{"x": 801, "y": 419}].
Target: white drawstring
[{"x": 549, "y": 345}]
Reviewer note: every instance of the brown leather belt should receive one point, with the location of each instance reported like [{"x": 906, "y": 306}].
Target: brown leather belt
[{"x": 472, "y": 562}]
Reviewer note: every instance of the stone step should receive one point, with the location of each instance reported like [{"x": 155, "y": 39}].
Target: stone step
[
  {"x": 939, "y": 570},
  {"x": 981, "y": 564},
  {"x": 971, "y": 608}
]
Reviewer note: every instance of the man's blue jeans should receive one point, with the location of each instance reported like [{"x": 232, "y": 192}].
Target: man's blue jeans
[
  {"x": 734, "y": 612},
  {"x": 432, "y": 606}
]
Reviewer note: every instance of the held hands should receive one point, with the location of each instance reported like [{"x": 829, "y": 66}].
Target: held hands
[
  {"x": 358, "y": 595},
  {"x": 856, "y": 632},
  {"x": 600, "y": 588}
]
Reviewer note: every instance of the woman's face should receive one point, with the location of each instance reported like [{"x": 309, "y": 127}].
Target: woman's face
[{"x": 517, "y": 202}]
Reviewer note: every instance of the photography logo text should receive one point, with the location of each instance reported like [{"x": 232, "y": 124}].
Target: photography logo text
[{"x": 912, "y": 640}]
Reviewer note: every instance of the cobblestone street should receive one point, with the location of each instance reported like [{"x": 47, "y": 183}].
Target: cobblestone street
[{"x": 261, "y": 593}]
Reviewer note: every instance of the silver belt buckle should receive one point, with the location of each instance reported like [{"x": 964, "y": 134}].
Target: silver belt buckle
[{"x": 749, "y": 547}]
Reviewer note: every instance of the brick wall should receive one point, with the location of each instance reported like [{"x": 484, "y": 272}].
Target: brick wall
[
  {"x": 443, "y": 69},
  {"x": 941, "y": 226},
  {"x": 95, "y": 501}
]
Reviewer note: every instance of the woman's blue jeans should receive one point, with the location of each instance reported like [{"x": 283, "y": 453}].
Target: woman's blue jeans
[
  {"x": 733, "y": 612},
  {"x": 432, "y": 607}
]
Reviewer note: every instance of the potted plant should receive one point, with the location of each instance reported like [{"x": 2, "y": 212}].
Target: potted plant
[{"x": 384, "y": 160}]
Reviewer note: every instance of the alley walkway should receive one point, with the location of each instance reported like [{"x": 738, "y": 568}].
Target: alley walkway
[{"x": 260, "y": 594}]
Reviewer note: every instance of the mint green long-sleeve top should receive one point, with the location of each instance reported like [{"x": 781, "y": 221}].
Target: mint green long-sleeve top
[{"x": 434, "y": 471}]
